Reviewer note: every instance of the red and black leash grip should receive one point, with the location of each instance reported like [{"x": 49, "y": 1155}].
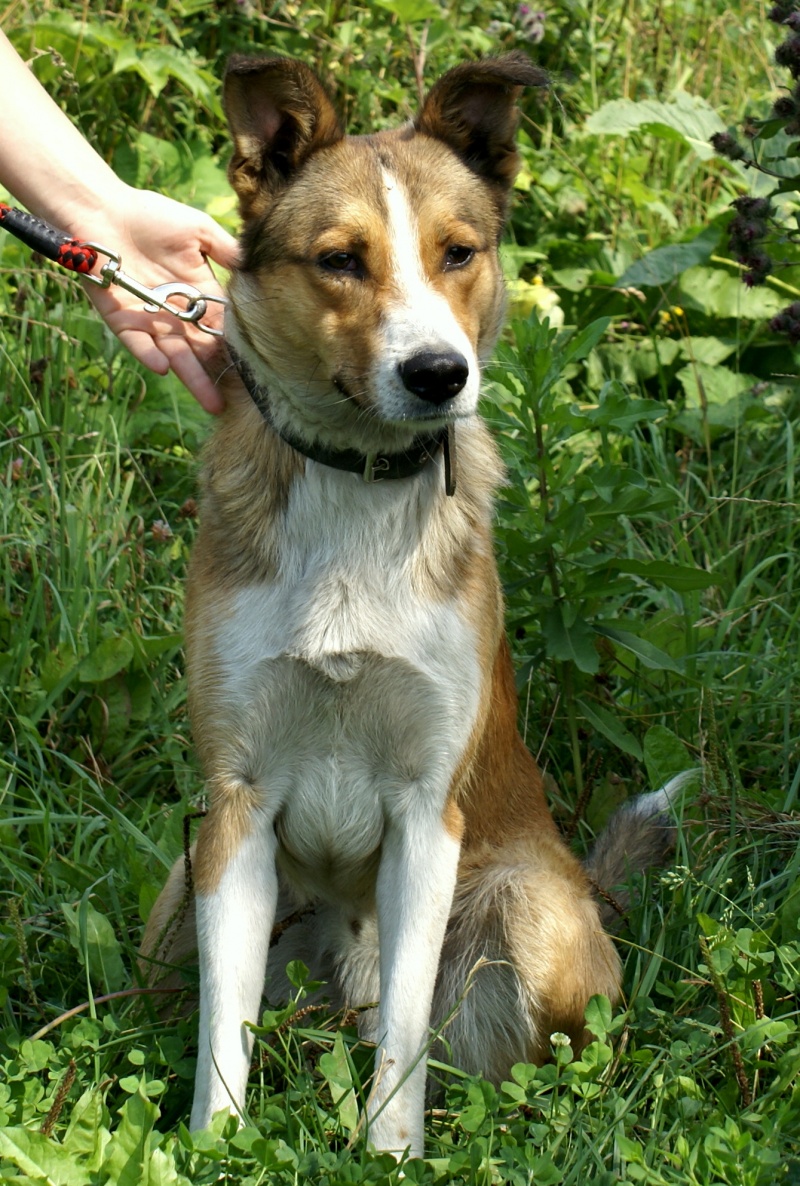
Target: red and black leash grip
[{"x": 49, "y": 242}]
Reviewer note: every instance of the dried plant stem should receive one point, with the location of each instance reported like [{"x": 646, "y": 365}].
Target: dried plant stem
[
  {"x": 609, "y": 898},
  {"x": 51, "y": 1119},
  {"x": 22, "y": 945},
  {"x": 758, "y": 999},
  {"x": 582, "y": 803},
  {"x": 727, "y": 1025}
]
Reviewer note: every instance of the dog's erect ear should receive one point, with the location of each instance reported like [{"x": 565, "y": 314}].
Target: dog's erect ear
[
  {"x": 279, "y": 114},
  {"x": 473, "y": 108}
]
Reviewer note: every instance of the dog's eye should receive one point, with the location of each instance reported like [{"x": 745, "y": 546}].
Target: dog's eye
[
  {"x": 457, "y": 256},
  {"x": 340, "y": 261}
]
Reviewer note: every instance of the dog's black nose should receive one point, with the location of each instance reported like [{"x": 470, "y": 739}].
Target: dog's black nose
[{"x": 434, "y": 377}]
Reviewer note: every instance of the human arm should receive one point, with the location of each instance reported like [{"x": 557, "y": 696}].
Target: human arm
[{"x": 49, "y": 168}]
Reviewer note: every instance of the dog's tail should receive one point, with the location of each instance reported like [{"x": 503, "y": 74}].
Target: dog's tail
[{"x": 640, "y": 835}]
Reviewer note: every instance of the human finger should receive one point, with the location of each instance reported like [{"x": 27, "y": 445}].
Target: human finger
[
  {"x": 183, "y": 362},
  {"x": 144, "y": 349},
  {"x": 218, "y": 245}
]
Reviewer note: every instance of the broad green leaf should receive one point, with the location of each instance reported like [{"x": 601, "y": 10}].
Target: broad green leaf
[
  {"x": 41, "y": 1159},
  {"x": 87, "y": 1133},
  {"x": 298, "y": 974},
  {"x": 720, "y": 293},
  {"x": 609, "y": 481},
  {"x": 646, "y": 359},
  {"x": 789, "y": 185},
  {"x": 630, "y": 1150},
  {"x": 649, "y": 655},
  {"x": 127, "y": 57},
  {"x": 719, "y": 400},
  {"x": 709, "y": 926},
  {"x": 158, "y": 64},
  {"x": 570, "y": 640},
  {"x": 156, "y": 645},
  {"x": 87, "y": 34},
  {"x": 110, "y": 715},
  {"x": 679, "y": 577},
  {"x": 767, "y": 128},
  {"x": 179, "y": 65},
  {"x": 152, "y": 161},
  {"x": 92, "y": 936},
  {"x": 525, "y": 1074},
  {"x": 273, "y": 1019},
  {"x": 719, "y": 421},
  {"x": 35, "y": 1056},
  {"x": 706, "y": 349},
  {"x": 598, "y": 1016},
  {"x": 704, "y": 383},
  {"x": 111, "y": 656},
  {"x": 617, "y": 409},
  {"x": 545, "y": 1171},
  {"x": 574, "y": 279},
  {"x": 140, "y": 692},
  {"x": 411, "y": 11},
  {"x": 161, "y": 1171},
  {"x": 128, "y": 1153},
  {"x": 665, "y": 755},
  {"x": 58, "y": 667},
  {"x": 609, "y": 726},
  {"x": 246, "y": 1139},
  {"x": 687, "y": 118},
  {"x": 472, "y": 1117},
  {"x": 665, "y": 264},
  {"x": 337, "y": 1072}
]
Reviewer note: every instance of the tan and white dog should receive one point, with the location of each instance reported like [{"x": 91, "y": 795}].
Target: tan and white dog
[{"x": 350, "y": 684}]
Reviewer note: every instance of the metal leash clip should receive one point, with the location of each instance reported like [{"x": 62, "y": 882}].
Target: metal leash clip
[
  {"x": 79, "y": 256},
  {"x": 158, "y": 298}
]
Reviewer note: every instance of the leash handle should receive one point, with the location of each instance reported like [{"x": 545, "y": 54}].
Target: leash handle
[
  {"x": 48, "y": 240},
  {"x": 81, "y": 257}
]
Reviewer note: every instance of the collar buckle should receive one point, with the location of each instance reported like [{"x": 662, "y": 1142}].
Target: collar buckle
[{"x": 375, "y": 465}]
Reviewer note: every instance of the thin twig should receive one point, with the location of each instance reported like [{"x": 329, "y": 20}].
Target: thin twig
[{"x": 109, "y": 996}]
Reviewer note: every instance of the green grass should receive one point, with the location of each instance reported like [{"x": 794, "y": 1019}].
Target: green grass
[{"x": 632, "y": 487}]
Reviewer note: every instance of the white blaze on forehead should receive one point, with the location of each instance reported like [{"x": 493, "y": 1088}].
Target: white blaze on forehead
[
  {"x": 403, "y": 227},
  {"x": 417, "y": 318}
]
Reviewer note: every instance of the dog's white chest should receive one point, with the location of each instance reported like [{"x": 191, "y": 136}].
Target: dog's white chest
[{"x": 352, "y": 691}]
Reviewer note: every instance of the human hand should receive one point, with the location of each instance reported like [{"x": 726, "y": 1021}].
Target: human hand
[{"x": 160, "y": 240}]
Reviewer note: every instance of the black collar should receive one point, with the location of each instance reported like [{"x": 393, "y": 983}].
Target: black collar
[{"x": 373, "y": 467}]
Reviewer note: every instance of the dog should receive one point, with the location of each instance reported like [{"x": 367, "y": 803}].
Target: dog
[{"x": 350, "y": 684}]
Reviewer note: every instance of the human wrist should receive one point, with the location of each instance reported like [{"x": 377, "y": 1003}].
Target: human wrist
[{"x": 81, "y": 207}]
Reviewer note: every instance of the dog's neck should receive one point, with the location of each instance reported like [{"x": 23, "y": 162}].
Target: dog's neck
[{"x": 373, "y": 467}]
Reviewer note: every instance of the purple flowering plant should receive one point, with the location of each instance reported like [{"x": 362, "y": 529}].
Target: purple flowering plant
[{"x": 755, "y": 221}]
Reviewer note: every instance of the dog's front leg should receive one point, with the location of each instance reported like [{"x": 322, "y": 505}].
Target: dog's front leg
[
  {"x": 236, "y": 884},
  {"x": 415, "y": 888}
]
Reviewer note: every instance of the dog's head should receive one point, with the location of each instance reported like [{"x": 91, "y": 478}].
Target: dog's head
[{"x": 370, "y": 290}]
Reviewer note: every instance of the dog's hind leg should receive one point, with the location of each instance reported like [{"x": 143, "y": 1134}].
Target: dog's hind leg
[
  {"x": 523, "y": 954},
  {"x": 236, "y": 890}
]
